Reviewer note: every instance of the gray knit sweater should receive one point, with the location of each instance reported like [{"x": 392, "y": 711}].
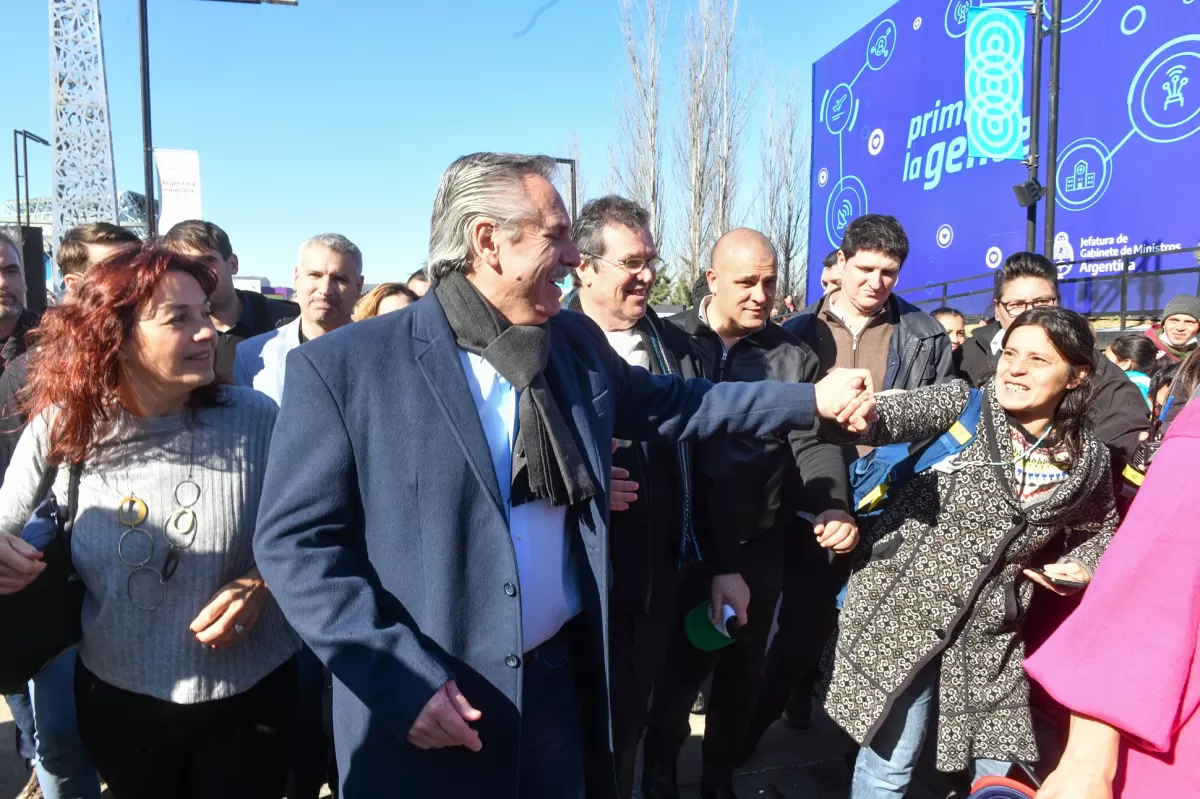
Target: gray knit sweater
[{"x": 152, "y": 651}]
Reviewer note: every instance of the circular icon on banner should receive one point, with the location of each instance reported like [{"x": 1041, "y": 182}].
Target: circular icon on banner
[
  {"x": 822, "y": 177},
  {"x": 875, "y": 143},
  {"x": 1161, "y": 106},
  {"x": 917, "y": 24},
  {"x": 847, "y": 202},
  {"x": 838, "y": 108},
  {"x": 1084, "y": 173},
  {"x": 994, "y": 257},
  {"x": 1130, "y": 29},
  {"x": 945, "y": 236},
  {"x": 956, "y": 18},
  {"x": 881, "y": 45}
]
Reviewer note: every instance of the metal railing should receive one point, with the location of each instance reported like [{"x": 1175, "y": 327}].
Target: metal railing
[{"x": 1091, "y": 295}]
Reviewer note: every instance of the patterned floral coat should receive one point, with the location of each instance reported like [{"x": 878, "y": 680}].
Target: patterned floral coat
[{"x": 939, "y": 581}]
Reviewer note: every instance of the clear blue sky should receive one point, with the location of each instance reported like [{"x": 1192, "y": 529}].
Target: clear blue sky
[{"x": 340, "y": 115}]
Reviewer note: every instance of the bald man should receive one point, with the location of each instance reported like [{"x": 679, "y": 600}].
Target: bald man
[{"x": 749, "y": 492}]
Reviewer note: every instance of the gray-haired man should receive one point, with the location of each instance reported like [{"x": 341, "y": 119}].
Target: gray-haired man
[
  {"x": 447, "y": 553},
  {"x": 328, "y": 281}
]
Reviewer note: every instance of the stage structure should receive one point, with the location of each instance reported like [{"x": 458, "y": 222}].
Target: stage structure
[{"x": 84, "y": 180}]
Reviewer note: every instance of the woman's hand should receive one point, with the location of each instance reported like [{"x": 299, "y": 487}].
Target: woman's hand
[
  {"x": 1088, "y": 764},
  {"x": 232, "y": 612},
  {"x": 20, "y": 564},
  {"x": 1070, "y": 781},
  {"x": 1064, "y": 571}
]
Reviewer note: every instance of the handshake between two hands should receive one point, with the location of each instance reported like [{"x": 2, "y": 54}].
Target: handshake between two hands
[{"x": 847, "y": 396}]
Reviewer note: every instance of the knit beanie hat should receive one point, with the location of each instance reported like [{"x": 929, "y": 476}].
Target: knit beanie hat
[{"x": 1183, "y": 304}]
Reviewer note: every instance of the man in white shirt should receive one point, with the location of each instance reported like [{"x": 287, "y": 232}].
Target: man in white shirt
[
  {"x": 328, "y": 281},
  {"x": 653, "y": 535},
  {"x": 435, "y": 510}
]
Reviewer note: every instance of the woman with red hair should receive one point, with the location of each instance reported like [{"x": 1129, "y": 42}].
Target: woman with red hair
[{"x": 186, "y": 667}]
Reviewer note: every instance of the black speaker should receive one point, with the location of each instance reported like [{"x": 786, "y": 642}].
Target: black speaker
[
  {"x": 1028, "y": 193},
  {"x": 34, "y": 258}
]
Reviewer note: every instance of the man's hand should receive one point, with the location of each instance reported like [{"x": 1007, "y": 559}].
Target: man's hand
[
  {"x": 624, "y": 491},
  {"x": 20, "y": 564},
  {"x": 847, "y": 397},
  {"x": 443, "y": 721},
  {"x": 1066, "y": 571},
  {"x": 232, "y": 612},
  {"x": 836, "y": 530},
  {"x": 730, "y": 589}
]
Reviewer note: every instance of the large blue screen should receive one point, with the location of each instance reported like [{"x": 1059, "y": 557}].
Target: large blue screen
[{"x": 889, "y": 136}]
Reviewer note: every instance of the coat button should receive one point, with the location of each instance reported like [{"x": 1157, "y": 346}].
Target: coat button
[
  {"x": 510, "y": 589},
  {"x": 1018, "y": 518},
  {"x": 941, "y": 634},
  {"x": 512, "y": 661},
  {"x": 957, "y": 602},
  {"x": 983, "y": 559}
]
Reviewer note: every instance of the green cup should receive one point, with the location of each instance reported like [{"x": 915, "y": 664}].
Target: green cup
[{"x": 706, "y": 636}]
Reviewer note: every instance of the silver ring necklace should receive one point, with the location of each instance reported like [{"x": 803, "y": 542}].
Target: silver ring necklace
[{"x": 179, "y": 534}]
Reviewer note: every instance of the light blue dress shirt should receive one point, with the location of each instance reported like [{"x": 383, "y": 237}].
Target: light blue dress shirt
[{"x": 549, "y": 575}]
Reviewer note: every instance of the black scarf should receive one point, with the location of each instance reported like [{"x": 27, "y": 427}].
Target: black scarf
[{"x": 546, "y": 464}]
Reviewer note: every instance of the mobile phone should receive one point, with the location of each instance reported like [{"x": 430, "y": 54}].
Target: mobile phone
[{"x": 1059, "y": 581}]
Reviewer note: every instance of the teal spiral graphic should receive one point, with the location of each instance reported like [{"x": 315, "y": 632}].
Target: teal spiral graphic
[{"x": 995, "y": 85}]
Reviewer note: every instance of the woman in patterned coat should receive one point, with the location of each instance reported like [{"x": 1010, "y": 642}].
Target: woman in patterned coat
[{"x": 936, "y": 603}]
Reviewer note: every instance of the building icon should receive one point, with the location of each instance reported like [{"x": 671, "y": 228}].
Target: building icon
[{"x": 1081, "y": 179}]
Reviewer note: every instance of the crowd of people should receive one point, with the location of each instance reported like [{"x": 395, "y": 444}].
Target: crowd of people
[{"x": 463, "y": 536}]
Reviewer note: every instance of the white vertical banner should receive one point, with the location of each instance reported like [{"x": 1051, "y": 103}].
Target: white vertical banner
[{"x": 178, "y": 186}]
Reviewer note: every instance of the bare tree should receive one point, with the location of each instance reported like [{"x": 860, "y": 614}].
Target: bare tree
[
  {"x": 636, "y": 161},
  {"x": 785, "y": 191},
  {"x": 734, "y": 89},
  {"x": 695, "y": 138}
]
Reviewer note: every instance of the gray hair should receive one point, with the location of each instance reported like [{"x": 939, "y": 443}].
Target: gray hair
[
  {"x": 339, "y": 244},
  {"x": 588, "y": 230},
  {"x": 13, "y": 242},
  {"x": 479, "y": 186}
]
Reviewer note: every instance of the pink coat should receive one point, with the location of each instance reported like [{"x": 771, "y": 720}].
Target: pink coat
[{"x": 1128, "y": 655}]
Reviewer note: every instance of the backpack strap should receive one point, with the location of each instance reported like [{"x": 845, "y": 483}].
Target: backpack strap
[
  {"x": 46, "y": 484},
  {"x": 68, "y": 523}
]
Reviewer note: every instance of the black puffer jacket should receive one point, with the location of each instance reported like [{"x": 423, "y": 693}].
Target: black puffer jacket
[
  {"x": 746, "y": 488},
  {"x": 646, "y": 542}
]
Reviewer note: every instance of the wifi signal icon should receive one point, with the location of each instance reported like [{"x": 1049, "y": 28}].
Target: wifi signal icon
[
  {"x": 1174, "y": 86},
  {"x": 844, "y": 214}
]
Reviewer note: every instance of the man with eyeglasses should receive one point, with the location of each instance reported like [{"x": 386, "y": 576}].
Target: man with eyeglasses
[
  {"x": 1027, "y": 280},
  {"x": 651, "y": 523}
]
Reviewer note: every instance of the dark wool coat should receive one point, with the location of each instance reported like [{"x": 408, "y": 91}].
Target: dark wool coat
[{"x": 939, "y": 577}]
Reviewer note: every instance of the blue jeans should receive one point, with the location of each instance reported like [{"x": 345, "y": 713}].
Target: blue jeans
[
  {"x": 885, "y": 768},
  {"x": 63, "y": 768},
  {"x": 551, "y": 721}
]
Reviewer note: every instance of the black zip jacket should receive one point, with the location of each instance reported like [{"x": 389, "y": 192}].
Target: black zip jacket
[
  {"x": 12, "y": 422},
  {"x": 747, "y": 488}
]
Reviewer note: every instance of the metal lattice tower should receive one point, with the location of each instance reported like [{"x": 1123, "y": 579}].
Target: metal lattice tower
[{"x": 84, "y": 181}]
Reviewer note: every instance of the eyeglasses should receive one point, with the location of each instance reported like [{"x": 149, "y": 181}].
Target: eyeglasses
[
  {"x": 1018, "y": 307},
  {"x": 631, "y": 265}
]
